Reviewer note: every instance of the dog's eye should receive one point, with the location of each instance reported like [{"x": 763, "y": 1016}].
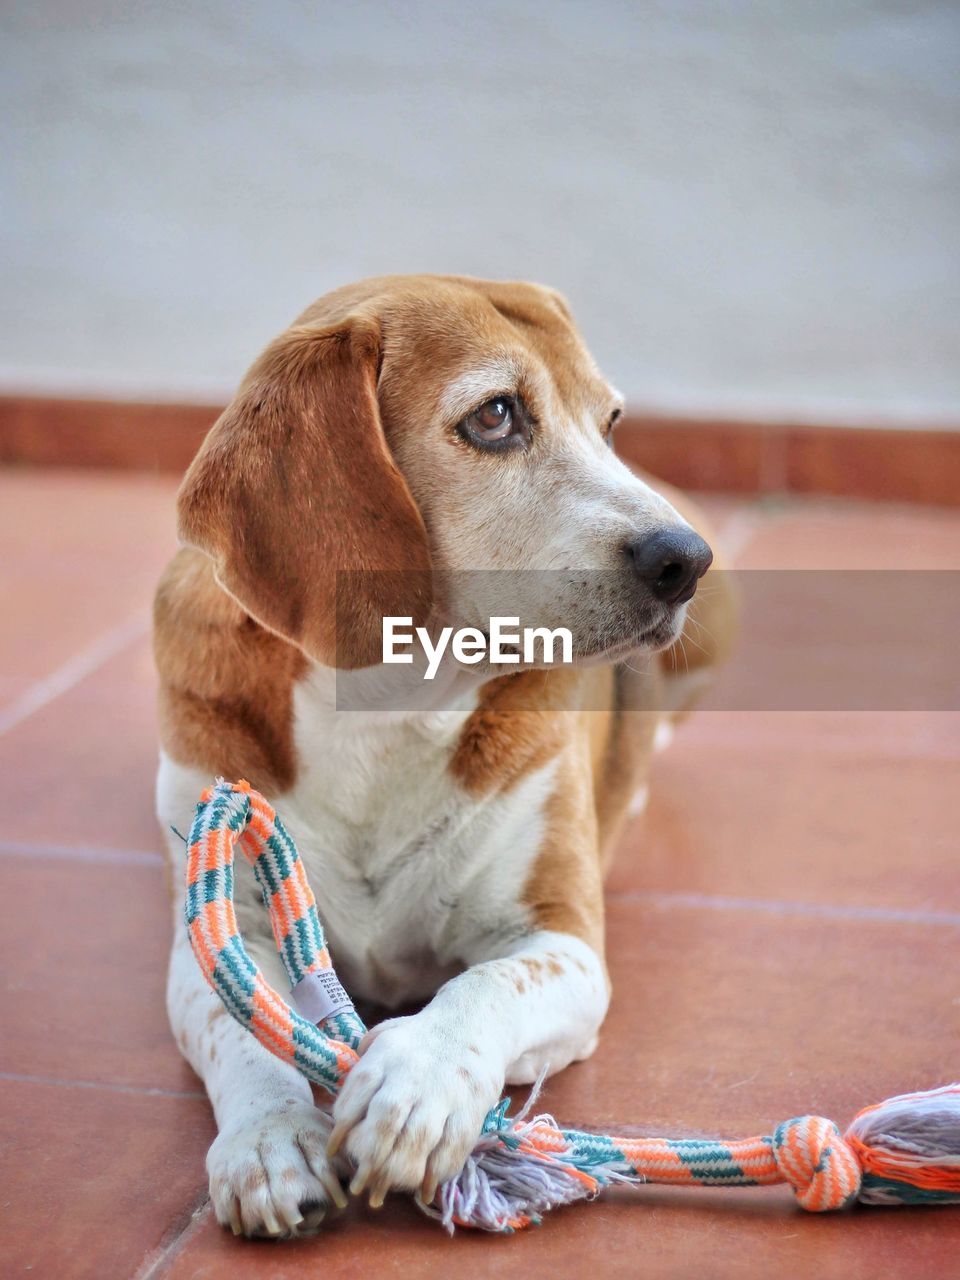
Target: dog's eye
[
  {"x": 498, "y": 423},
  {"x": 493, "y": 420},
  {"x": 611, "y": 423}
]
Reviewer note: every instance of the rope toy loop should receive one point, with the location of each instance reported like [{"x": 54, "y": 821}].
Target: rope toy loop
[{"x": 902, "y": 1151}]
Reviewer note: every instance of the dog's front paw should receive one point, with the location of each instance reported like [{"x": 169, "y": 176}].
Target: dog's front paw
[
  {"x": 273, "y": 1177},
  {"x": 412, "y": 1108}
]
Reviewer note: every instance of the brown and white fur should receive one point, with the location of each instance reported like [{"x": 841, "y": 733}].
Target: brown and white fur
[{"x": 457, "y": 852}]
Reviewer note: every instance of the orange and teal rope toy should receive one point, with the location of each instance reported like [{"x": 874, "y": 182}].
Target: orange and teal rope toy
[{"x": 902, "y": 1151}]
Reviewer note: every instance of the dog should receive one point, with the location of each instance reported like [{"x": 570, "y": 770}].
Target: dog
[{"x": 403, "y": 431}]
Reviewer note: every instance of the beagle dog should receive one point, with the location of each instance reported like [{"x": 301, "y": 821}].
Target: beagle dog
[{"x": 408, "y": 431}]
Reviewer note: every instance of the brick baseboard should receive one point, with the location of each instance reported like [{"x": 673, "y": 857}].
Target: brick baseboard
[{"x": 889, "y": 464}]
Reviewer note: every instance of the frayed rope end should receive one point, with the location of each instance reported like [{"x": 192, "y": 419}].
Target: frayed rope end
[
  {"x": 518, "y": 1171},
  {"x": 909, "y": 1148}
]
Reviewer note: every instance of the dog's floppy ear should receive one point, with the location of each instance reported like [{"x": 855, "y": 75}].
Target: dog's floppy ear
[{"x": 295, "y": 483}]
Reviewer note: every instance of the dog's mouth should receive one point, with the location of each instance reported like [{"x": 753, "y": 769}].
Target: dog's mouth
[
  {"x": 653, "y": 638},
  {"x": 660, "y": 636},
  {"x": 613, "y": 641}
]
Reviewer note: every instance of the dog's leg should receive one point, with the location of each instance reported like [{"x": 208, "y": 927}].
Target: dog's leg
[
  {"x": 412, "y": 1108},
  {"x": 268, "y": 1168}
]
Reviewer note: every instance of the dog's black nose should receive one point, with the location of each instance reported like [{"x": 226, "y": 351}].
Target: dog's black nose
[{"x": 670, "y": 562}]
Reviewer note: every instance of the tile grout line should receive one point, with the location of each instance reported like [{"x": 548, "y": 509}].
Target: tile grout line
[
  {"x": 159, "y": 1259},
  {"x": 784, "y": 907},
  {"x": 665, "y": 900},
  {"x": 73, "y": 671},
  {"x": 873, "y": 748},
  {"x": 738, "y": 532},
  {"x": 103, "y": 1086},
  {"x": 78, "y": 853}
]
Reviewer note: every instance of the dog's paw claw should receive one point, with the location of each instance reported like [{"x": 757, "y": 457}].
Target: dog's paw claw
[
  {"x": 273, "y": 1177},
  {"x": 411, "y": 1109}
]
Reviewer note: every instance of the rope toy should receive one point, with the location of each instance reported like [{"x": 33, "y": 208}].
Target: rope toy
[{"x": 902, "y": 1151}]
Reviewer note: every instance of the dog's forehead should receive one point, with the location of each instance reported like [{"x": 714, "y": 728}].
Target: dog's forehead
[{"x": 453, "y": 338}]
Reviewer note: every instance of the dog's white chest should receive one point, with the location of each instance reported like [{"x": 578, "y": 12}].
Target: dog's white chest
[{"x": 412, "y": 875}]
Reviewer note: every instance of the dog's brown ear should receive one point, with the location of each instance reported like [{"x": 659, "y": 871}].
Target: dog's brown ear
[{"x": 295, "y": 484}]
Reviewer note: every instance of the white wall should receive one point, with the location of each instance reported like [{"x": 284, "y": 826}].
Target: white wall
[{"x": 753, "y": 207}]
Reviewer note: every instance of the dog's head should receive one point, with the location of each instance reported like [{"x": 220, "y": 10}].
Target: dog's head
[{"x": 417, "y": 430}]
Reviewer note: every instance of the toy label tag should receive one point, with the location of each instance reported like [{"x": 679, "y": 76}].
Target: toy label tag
[{"x": 319, "y": 995}]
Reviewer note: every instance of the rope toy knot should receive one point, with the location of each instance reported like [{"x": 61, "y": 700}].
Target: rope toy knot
[{"x": 818, "y": 1163}]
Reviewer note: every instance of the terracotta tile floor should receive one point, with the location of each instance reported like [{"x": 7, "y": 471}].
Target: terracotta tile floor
[{"x": 784, "y": 936}]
